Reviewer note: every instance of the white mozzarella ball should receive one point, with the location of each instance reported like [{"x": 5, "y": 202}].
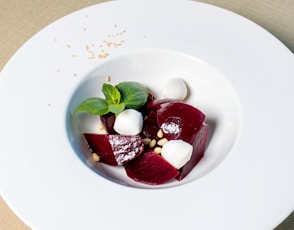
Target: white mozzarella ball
[
  {"x": 128, "y": 122},
  {"x": 177, "y": 152},
  {"x": 175, "y": 89}
]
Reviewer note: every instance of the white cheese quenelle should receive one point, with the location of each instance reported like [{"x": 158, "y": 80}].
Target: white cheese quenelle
[
  {"x": 175, "y": 89},
  {"x": 177, "y": 152},
  {"x": 128, "y": 122}
]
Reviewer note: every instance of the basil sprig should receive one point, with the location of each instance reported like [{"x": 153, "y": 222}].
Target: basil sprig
[{"x": 131, "y": 95}]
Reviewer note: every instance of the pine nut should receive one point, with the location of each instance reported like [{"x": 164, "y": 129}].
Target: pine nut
[
  {"x": 157, "y": 150},
  {"x": 146, "y": 141},
  {"x": 160, "y": 133},
  {"x": 162, "y": 141},
  {"x": 152, "y": 143},
  {"x": 95, "y": 157},
  {"x": 101, "y": 127},
  {"x": 107, "y": 78}
]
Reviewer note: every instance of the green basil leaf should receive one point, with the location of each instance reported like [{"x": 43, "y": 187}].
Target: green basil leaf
[
  {"x": 111, "y": 93},
  {"x": 116, "y": 108},
  {"x": 94, "y": 106},
  {"x": 133, "y": 94}
]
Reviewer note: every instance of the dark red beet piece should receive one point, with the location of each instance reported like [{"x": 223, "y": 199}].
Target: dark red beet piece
[
  {"x": 108, "y": 122},
  {"x": 156, "y": 104},
  {"x": 199, "y": 145},
  {"x": 150, "y": 168},
  {"x": 179, "y": 121},
  {"x": 115, "y": 149},
  {"x": 150, "y": 126}
]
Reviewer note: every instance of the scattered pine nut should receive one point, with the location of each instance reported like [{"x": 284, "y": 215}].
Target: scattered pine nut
[
  {"x": 160, "y": 133},
  {"x": 107, "y": 78},
  {"x": 101, "y": 127},
  {"x": 152, "y": 143},
  {"x": 146, "y": 141},
  {"x": 95, "y": 157},
  {"x": 157, "y": 150},
  {"x": 162, "y": 141}
]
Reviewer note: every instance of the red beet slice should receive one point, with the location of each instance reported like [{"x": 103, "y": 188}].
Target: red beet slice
[
  {"x": 179, "y": 121},
  {"x": 199, "y": 145},
  {"x": 150, "y": 126},
  {"x": 108, "y": 122},
  {"x": 115, "y": 149},
  {"x": 150, "y": 168},
  {"x": 156, "y": 104}
]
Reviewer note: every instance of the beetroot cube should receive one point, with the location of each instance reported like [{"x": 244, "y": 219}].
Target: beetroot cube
[
  {"x": 108, "y": 122},
  {"x": 150, "y": 168},
  {"x": 156, "y": 104},
  {"x": 150, "y": 126},
  {"x": 179, "y": 121},
  {"x": 115, "y": 149}
]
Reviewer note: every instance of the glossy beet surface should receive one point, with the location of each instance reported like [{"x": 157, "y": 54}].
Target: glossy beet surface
[
  {"x": 115, "y": 149},
  {"x": 150, "y": 168},
  {"x": 179, "y": 121},
  {"x": 199, "y": 145},
  {"x": 108, "y": 122},
  {"x": 157, "y": 104},
  {"x": 150, "y": 126}
]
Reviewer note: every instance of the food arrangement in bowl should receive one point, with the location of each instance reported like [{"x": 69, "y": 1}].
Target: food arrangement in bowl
[
  {"x": 165, "y": 101},
  {"x": 155, "y": 140}
]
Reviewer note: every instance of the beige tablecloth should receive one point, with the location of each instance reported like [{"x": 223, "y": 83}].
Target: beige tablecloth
[{"x": 20, "y": 19}]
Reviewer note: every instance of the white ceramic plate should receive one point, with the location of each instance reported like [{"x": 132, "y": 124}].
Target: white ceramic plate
[{"x": 239, "y": 75}]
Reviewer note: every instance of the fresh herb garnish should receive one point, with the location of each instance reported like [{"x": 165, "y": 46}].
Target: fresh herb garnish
[
  {"x": 111, "y": 93},
  {"x": 132, "y": 95},
  {"x": 116, "y": 108},
  {"x": 94, "y": 106}
]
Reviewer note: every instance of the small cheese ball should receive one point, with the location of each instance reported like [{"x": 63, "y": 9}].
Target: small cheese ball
[
  {"x": 177, "y": 152},
  {"x": 175, "y": 89},
  {"x": 128, "y": 122}
]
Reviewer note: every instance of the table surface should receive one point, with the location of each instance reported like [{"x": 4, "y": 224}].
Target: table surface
[{"x": 20, "y": 20}]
